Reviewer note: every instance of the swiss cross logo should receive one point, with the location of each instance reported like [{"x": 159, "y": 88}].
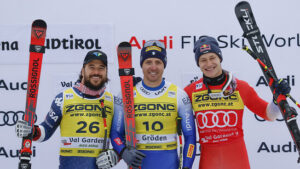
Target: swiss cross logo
[
  {"x": 124, "y": 55},
  {"x": 38, "y": 33}
]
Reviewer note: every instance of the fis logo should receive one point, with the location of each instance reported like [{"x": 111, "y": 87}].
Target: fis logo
[{"x": 199, "y": 86}]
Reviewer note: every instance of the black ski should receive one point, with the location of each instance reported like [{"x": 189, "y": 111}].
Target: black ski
[{"x": 252, "y": 33}]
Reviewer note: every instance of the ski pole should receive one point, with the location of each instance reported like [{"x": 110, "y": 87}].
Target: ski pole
[
  {"x": 179, "y": 132},
  {"x": 266, "y": 69},
  {"x": 104, "y": 121}
]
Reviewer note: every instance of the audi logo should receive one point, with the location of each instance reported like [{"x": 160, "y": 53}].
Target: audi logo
[
  {"x": 10, "y": 118},
  {"x": 219, "y": 119}
]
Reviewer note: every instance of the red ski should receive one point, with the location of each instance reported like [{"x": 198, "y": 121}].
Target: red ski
[
  {"x": 38, "y": 34},
  {"x": 126, "y": 72}
]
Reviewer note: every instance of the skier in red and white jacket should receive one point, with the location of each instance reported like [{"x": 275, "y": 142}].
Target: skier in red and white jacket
[{"x": 218, "y": 101}]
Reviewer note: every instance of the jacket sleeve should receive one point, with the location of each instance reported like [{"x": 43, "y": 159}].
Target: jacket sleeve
[
  {"x": 117, "y": 134},
  {"x": 52, "y": 120},
  {"x": 185, "y": 111}
]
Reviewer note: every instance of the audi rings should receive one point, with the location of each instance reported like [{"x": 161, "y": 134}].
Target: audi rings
[
  {"x": 10, "y": 118},
  {"x": 219, "y": 119}
]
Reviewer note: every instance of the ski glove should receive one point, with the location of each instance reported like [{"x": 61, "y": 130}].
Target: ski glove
[
  {"x": 281, "y": 87},
  {"x": 22, "y": 128},
  {"x": 107, "y": 159},
  {"x": 136, "y": 80},
  {"x": 133, "y": 157}
]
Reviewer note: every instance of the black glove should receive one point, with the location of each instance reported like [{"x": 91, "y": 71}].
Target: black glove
[
  {"x": 281, "y": 87},
  {"x": 136, "y": 80},
  {"x": 132, "y": 157}
]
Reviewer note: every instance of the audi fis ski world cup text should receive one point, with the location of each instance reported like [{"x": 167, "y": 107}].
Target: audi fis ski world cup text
[{"x": 225, "y": 41}]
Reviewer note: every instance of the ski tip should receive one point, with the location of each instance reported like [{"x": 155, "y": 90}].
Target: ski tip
[
  {"x": 39, "y": 23},
  {"x": 242, "y": 3},
  {"x": 124, "y": 44}
]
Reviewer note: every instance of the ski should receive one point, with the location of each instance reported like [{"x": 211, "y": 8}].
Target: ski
[
  {"x": 36, "y": 49},
  {"x": 126, "y": 73},
  {"x": 252, "y": 33}
]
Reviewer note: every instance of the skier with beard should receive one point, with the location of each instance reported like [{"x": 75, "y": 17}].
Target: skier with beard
[{"x": 77, "y": 111}]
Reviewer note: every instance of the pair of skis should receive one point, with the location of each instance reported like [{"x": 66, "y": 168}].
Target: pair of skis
[{"x": 252, "y": 33}]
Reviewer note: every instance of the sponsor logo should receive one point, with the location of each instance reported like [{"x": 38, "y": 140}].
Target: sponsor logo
[
  {"x": 84, "y": 107},
  {"x": 190, "y": 150},
  {"x": 10, "y": 118},
  {"x": 13, "y": 85},
  {"x": 234, "y": 41},
  {"x": 150, "y": 138},
  {"x": 13, "y": 153},
  {"x": 154, "y": 106},
  {"x": 199, "y": 85},
  {"x": 171, "y": 94},
  {"x": 135, "y": 42},
  {"x": 118, "y": 141},
  {"x": 186, "y": 100},
  {"x": 69, "y": 96},
  {"x": 6, "y": 45},
  {"x": 218, "y": 119},
  {"x": 72, "y": 43},
  {"x": 263, "y": 120},
  {"x": 273, "y": 148},
  {"x": 205, "y": 97},
  {"x": 290, "y": 79}
]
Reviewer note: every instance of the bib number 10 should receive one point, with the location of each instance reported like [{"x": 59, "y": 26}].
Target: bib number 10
[
  {"x": 156, "y": 125},
  {"x": 93, "y": 127}
]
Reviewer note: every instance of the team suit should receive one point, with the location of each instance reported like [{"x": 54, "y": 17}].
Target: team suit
[
  {"x": 156, "y": 111},
  {"x": 219, "y": 122},
  {"x": 81, "y": 127}
]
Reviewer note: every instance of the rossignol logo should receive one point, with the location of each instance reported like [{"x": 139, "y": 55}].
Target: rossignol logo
[
  {"x": 38, "y": 33},
  {"x": 34, "y": 79},
  {"x": 5, "y": 85},
  {"x": 13, "y": 153},
  {"x": 85, "y": 107},
  {"x": 154, "y": 107},
  {"x": 124, "y": 56},
  {"x": 128, "y": 99}
]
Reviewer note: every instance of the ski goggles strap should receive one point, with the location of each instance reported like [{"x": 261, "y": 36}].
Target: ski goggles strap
[
  {"x": 155, "y": 43},
  {"x": 227, "y": 90}
]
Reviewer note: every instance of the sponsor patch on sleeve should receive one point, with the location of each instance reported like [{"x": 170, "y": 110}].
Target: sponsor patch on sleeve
[
  {"x": 190, "y": 151},
  {"x": 118, "y": 141}
]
